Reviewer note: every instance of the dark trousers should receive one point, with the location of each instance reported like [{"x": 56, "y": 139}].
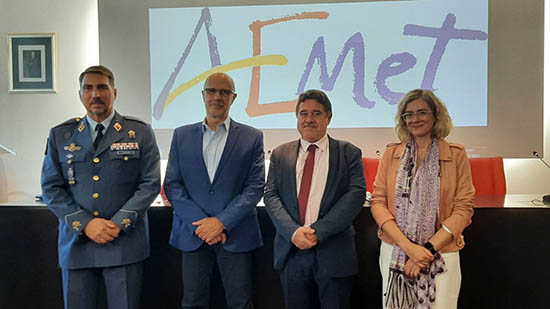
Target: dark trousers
[
  {"x": 122, "y": 286},
  {"x": 235, "y": 272},
  {"x": 305, "y": 286}
]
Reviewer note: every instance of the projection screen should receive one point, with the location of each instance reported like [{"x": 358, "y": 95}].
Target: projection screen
[{"x": 482, "y": 58}]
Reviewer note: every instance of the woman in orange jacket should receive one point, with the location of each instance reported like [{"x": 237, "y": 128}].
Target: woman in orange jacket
[{"x": 422, "y": 201}]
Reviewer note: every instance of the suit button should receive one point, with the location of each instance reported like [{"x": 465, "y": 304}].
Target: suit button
[
  {"x": 125, "y": 158},
  {"x": 211, "y": 191},
  {"x": 95, "y": 195},
  {"x": 96, "y": 213},
  {"x": 95, "y": 178},
  {"x": 96, "y": 160}
]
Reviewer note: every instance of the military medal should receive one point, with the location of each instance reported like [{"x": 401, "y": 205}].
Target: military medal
[
  {"x": 70, "y": 173},
  {"x": 131, "y": 134},
  {"x": 117, "y": 126}
]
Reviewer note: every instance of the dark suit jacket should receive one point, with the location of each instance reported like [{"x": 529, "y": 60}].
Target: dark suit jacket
[
  {"x": 118, "y": 181},
  {"x": 342, "y": 200},
  {"x": 231, "y": 197}
]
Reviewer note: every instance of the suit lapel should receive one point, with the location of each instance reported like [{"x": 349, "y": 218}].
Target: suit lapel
[
  {"x": 333, "y": 158},
  {"x": 232, "y": 138},
  {"x": 82, "y": 136},
  {"x": 292, "y": 159},
  {"x": 196, "y": 141},
  {"x": 115, "y": 132}
]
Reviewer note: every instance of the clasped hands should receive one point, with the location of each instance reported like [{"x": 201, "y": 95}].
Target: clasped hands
[
  {"x": 419, "y": 258},
  {"x": 304, "y": 238},
  {"x": 210, "y": 230},
  {"x": 101, "y": 230}
]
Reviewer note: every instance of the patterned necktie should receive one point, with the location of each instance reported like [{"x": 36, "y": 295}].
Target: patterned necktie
[
  {"x": 99, "y": 128},
  {"x": 305, "y": 186}
]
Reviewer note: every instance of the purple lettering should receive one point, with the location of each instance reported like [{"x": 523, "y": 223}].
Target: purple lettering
[
  {"x": 355, "y": 43},
  {"x": 386, "y": 69},
  {"x": 442, "y": 35}
]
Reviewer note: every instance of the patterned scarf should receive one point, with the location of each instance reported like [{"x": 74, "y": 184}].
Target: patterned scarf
[{"x": 417, "y": 212}]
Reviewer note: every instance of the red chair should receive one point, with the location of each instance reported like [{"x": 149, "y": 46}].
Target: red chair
[
  {"x": 488, "y": 175},
  {"x": 370, "y": 168}
]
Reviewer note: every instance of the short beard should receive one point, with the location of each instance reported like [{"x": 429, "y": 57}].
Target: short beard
[{"x": 98, "y": 112}]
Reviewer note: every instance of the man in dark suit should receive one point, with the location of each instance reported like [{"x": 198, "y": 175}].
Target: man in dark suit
[
  {"x": 315, "y": 188},
  {"x": 100, "y": 175},
  {"x": 214, "y": 180}
]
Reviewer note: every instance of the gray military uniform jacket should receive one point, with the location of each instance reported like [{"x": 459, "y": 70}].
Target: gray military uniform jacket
[{"x": 118, "y": 181}]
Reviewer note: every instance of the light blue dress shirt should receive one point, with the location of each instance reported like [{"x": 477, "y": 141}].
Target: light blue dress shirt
[
  {"x": 92, "y": 123},
  {"x": 213, "y": 143}
]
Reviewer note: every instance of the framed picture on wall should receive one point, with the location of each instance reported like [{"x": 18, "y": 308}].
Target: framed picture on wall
[{"x": 32, "y": 62}]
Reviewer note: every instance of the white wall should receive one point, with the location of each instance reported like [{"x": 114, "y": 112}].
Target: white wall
[
  {"x": 530, "y": 175},
  {"x": 25, "y": 119}
]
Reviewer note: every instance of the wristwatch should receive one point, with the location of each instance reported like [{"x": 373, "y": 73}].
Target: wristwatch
[{"x": 428, "y": 245}]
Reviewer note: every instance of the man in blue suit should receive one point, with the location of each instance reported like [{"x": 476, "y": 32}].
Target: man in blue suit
[
  {"x": 100, "y": 175},
  {"x": 315, "y": 188},
  {"x": 214, "y": 180}
]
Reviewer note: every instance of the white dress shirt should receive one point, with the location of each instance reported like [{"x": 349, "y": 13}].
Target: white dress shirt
[
  {"x": 213, "y": 144},
  {"x": 318, "y": 179},
  {"x": 106, "y": 123}
]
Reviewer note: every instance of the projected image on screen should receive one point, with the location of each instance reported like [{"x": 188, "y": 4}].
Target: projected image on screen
[{"x": 365, "y": 56}]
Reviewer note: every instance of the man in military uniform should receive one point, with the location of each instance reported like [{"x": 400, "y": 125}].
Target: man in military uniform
[{"x": 100, "y": 175}]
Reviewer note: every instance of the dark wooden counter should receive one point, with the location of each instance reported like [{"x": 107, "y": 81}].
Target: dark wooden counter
[{"x": 503, "y": 264}]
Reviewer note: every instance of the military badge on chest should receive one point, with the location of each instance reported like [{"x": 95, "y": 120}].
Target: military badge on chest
[
  {"x": 70, "y": 170},
  {"x": 124, "y": 146}
]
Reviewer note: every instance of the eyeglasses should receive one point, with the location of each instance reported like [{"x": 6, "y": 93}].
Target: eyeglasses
[
  {"x": 421, "y": 114},
  {"x": 222, "y": 92}
]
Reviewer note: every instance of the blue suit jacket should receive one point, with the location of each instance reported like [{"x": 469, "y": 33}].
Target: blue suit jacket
[
  {"x": 342, "y": 200},
  {"x": 114, "y": 182},
  {"x": 231, "y": 197}
]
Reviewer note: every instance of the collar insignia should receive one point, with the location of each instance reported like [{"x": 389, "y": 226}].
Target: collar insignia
[{"x": 117, "y": 126}]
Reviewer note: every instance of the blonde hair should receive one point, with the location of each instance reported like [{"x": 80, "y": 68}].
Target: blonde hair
[{"x": 443, "y": 123}]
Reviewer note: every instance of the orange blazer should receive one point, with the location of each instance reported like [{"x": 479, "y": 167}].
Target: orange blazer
[{"x": 456, "y": 205}]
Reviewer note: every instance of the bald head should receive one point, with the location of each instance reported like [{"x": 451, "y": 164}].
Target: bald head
[{"x": 219, "y": 77}]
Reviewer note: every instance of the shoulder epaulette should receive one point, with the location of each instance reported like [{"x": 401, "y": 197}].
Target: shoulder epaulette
[
  {"x": 134, "y": 119},
  {"x": 70, "y": 121}
]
